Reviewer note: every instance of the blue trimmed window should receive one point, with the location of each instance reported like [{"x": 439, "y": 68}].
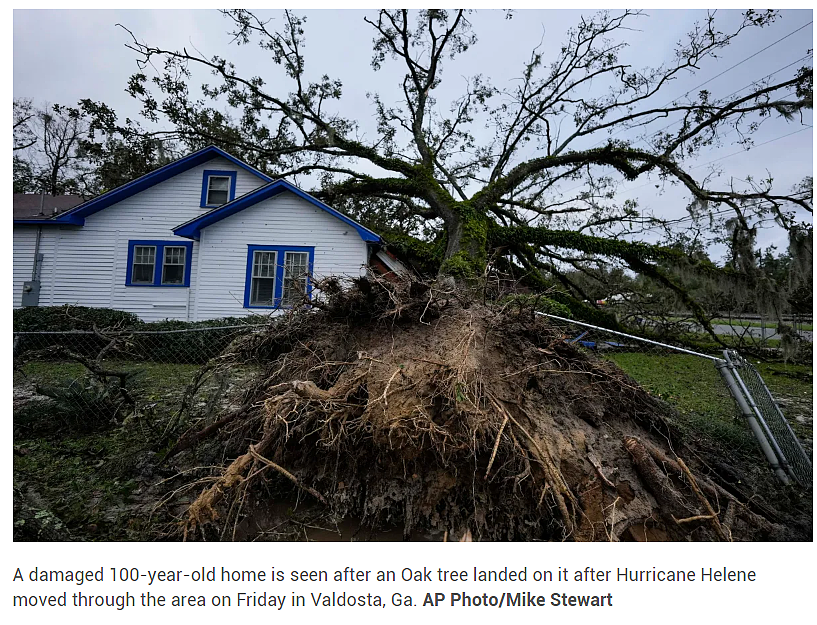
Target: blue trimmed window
[
  {"x": 278, "y": 276},
  {"x": 159, "y": 263},
  {"x": 217, "y": 188}
]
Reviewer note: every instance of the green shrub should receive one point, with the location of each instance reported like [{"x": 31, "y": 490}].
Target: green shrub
[
  {"x": 174, "y": 347},
  {"x": 67, "y": 318}
]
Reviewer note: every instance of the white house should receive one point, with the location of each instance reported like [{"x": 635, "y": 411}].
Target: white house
[{"x": 204, "y": 237}]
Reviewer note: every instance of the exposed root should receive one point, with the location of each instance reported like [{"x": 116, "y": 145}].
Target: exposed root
[
  {"x": 713, "y": 517},
  {"x": 470, "y": 423},
  {"x": 288, "y": 475}
]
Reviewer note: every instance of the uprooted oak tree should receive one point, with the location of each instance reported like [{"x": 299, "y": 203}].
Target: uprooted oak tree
[
  {"x": 399, "y": 409},
  {"x": 484, "y": 176}
]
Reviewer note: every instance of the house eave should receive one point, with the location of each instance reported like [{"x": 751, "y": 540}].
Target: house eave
[
  {"x": 73, "y": 221},
  {"x": 76, "y": 216}
]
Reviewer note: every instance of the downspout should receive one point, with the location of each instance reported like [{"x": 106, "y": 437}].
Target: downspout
[{"x": 35, "y": 268}]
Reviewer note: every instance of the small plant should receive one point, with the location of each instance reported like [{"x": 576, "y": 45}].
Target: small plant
[{"x": 88, "y": 403}]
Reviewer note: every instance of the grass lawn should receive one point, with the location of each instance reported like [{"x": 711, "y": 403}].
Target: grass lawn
[
  {"x": 705, "y": 408},
  {"x": 693, "y": 386},
  {"x": 81, "y": 467},
  {"x": 751, "y": 323}
]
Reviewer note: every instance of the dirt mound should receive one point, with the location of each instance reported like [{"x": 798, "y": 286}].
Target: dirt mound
[{"x": 442, "y": 420}]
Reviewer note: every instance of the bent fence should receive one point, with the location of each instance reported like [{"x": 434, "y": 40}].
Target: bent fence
[
  {"x": 762, "y": 413},
  {"x": 775, "y": 428},
  {"x": 91, "y": 375}
]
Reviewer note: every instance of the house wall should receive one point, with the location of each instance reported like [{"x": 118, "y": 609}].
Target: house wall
[
  {"x": 87, "y": 265},
  {"x": 281, "y": 220},
  {"x": 23, "y": 249}
]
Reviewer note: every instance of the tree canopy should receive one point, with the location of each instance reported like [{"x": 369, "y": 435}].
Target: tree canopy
[{"x": 535, "y": 198}]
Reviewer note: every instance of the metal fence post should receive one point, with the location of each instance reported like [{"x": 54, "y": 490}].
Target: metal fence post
[
  {"x": 725, "y": 369},
  {"x": 778, "y": 442}
]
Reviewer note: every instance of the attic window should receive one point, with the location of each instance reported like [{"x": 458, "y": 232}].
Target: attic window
[{"x": 218, "y": 188}]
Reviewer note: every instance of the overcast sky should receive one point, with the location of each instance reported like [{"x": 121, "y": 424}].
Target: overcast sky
[{"x": 64, "y": 56}]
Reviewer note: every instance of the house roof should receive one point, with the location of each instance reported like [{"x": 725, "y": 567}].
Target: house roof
[
  {"x": 28, "y": 205},
  {"x": 192, "y": 229},
  {"x": 76, "y": 216}
]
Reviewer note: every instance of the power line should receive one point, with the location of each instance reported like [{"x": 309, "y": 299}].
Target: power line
[
  {"x": 643, "y": 139},
  {"x": 726, "y": 134},
  {"x": 774, "y": 43},
  {"x": 723, "y": 98},
  {"x": 721, "y": 158},
  {"x": 806, "y": 127},
  {"x": 673, "y": 222},
  {"x": 802, "y": 58},
  {"x": 729, "y": 69}
]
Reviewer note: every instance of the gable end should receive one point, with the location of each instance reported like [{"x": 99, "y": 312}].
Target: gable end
[{"x": 192, "y": 229}]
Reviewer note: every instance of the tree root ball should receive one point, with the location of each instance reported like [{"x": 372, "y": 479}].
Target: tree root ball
[{"x": 445, "y": 423}]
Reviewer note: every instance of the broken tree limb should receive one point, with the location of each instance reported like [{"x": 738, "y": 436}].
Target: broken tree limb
[{"x": 95, "y": 367}]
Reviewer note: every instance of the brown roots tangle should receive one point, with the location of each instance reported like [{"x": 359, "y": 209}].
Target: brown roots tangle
[{"x": 450, "y": 421}]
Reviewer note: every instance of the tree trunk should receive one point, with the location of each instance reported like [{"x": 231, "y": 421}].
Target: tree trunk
[
  {"x": 52, "y": 180},
  {"x": 467, "y": 233}
]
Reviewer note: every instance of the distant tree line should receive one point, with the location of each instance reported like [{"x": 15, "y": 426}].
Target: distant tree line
[{"x": 80, "y": 150}]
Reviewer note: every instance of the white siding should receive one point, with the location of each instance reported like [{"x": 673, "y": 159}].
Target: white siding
[
  {"x": 24, "y": 243},
  {"x": 282, "y": 220},
  {"x": 87, "y": 265}
]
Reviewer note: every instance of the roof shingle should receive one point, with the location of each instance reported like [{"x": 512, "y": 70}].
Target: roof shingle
[{"x": 27, "y": 205}]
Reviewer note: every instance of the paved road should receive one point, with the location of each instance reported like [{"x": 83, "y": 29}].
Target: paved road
[{"x": 769, "y": 333}]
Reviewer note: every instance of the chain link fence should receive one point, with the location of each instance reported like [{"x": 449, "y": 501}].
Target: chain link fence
[
  {"x": 787, "y": 448},
  {"x": 714, "y": 396},
  {"x": 89, "y": 378}
]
